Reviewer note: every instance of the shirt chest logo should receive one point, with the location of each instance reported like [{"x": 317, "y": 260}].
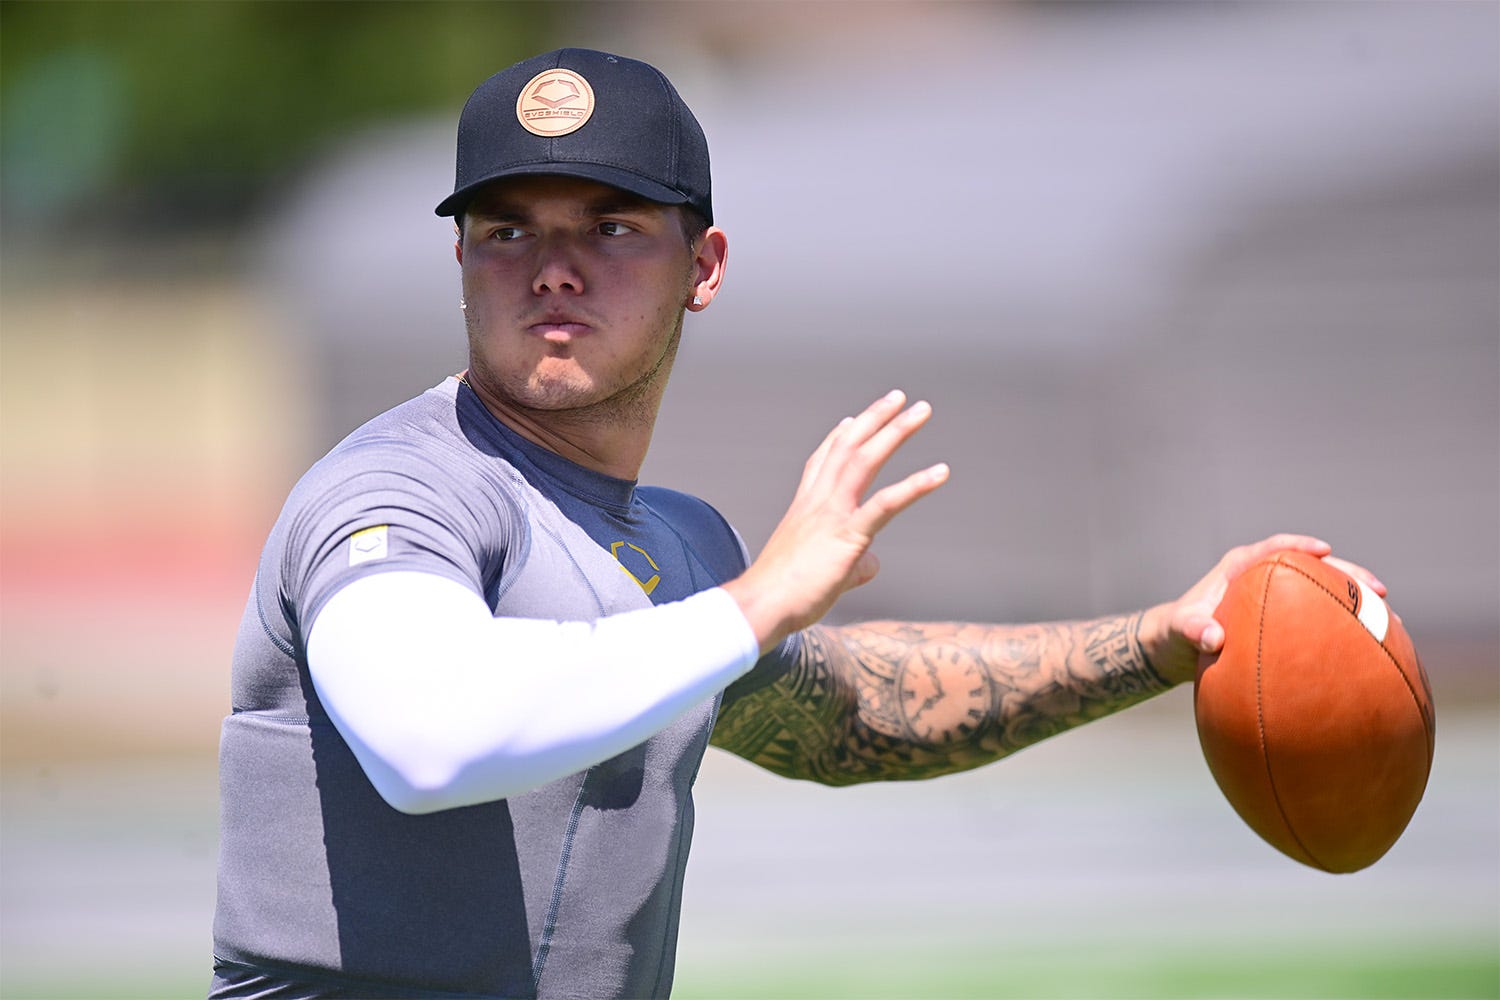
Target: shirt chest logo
[{"x": 634, "y": 556}]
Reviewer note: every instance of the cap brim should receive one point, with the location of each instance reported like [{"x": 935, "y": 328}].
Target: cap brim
[{"x": 603, "y": 173}]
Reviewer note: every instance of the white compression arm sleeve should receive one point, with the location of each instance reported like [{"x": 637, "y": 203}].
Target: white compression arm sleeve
[{"x": 445, "y": 705}]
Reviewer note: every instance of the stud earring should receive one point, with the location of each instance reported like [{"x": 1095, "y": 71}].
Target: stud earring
[
  {"x": 697, "y": 300},
  {"x": 463, "y": 304}
]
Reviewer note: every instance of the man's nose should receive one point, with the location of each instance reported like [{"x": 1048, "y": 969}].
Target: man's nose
[{"x": 557, "y": 267}]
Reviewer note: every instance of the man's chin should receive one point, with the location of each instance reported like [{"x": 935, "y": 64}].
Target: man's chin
[{"x": 559, "y": 394}]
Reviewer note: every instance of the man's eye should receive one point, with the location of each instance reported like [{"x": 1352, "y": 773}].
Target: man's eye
[
  {"x": 507, "y": 233},
  {"x": 614, "y": 229}
]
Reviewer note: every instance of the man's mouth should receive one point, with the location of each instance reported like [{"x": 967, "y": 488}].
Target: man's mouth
[{"x": 559, "y": 329}]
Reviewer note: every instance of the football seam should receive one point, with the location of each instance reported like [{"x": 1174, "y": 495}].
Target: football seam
[
  {"x": 1260, "y": 715},
  {"x": 1416, "y": 701}
]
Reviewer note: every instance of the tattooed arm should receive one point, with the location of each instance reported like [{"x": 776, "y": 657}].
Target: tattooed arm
[
  {"x": 889, "y": 700},
  {"x": 886, "y": 701}
]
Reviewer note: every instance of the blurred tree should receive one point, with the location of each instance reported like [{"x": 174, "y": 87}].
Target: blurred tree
[{"x": 183, "y": 111}]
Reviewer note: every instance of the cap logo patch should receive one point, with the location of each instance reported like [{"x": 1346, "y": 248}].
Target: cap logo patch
[{"x": 555, "y": 102}]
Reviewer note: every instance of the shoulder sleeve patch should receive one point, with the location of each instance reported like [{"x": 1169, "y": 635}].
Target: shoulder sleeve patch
[{"x": 368, "y": 545}]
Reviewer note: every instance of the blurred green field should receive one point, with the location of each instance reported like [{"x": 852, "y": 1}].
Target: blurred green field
[{"x": 1310, "y": 973}]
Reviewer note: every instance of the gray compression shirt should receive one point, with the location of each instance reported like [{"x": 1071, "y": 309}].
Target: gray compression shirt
[{"x": 570, "y": 890}]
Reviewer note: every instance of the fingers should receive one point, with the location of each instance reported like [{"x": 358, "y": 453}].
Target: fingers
[
  {"x": 896, "y": 432},
  {"x": 1192, "y": 617},
  {"x": 1194, "y": 620},
  {"x": 888, "y": 429},
  {"x": 877, "y": 414},
  {"x": 814, "y": 465},
  {"x": 1302, "y": 543},
  {"x": 1358, "y": 572},
  {"x": 847, "y": 430},
  {"x": 1242, "y": 558},
  {"x": 1211, "y": 637},
  {"x": 870, "y": 439},
  {"x": 821, "y": 547},
  {"x": 863, "y": 435},
  {"x": 875, "y": 513},
  {"x": 854, "y": 452}
]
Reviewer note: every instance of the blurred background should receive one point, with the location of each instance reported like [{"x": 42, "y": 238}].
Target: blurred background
[{"x": 1174, "y": 276}]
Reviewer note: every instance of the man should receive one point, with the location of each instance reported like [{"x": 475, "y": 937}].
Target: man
[{"x": 480, "y": 666}]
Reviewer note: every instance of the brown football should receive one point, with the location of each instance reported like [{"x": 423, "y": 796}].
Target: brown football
[{"x": 1316, "y": 717}]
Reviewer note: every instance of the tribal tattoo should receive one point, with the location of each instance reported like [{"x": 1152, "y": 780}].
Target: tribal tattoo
[{"x": 885, "y": 701}]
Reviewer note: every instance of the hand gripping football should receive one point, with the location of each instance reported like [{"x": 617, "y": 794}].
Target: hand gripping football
[{"x": 1316, "y": 718}]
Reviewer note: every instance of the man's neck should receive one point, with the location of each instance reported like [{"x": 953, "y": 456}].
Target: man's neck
[{"x": 612, "y": 439}]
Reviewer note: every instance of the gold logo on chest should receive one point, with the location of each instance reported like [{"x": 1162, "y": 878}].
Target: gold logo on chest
[{"x": 646, "y": 585}]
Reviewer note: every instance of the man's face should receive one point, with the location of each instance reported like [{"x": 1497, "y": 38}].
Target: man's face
[{"x": 575, "y": 293}]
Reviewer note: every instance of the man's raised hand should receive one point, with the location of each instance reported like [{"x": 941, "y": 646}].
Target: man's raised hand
[{"x": 821, "y": 548}]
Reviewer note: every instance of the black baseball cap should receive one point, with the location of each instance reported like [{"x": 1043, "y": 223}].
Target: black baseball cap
[{"x": 582, "y": 113}]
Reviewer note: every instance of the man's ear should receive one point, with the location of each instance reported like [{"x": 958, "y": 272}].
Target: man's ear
[
  {"x": 708, "y": 268},
  {"x": 458, "y": 244}
]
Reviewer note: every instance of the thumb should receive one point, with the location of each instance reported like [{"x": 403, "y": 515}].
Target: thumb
[
  {"x": 864, "y": 570},
  {"x": 1201, "y": 629}
]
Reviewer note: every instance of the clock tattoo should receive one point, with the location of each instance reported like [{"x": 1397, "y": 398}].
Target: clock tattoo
[{"x": 944, "y": 693}]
